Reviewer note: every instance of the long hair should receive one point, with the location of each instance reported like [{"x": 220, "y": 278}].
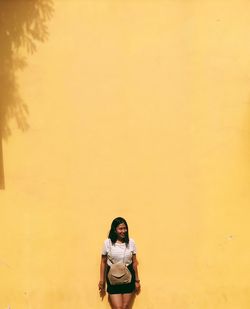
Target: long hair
[{"x": 112, "y": 232}]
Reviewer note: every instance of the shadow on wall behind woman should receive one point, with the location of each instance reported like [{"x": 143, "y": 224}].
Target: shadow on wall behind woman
[{"x": 22, "y": 24}]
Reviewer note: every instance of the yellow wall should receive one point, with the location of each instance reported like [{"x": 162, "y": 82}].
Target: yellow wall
[{"x": 139, "y": 109}]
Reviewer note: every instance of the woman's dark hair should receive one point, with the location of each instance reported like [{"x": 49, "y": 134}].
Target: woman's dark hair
[{"x": 112, "y": 232}]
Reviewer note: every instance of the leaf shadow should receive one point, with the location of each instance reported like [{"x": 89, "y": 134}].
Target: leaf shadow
[{"x": 23, "y": 23}]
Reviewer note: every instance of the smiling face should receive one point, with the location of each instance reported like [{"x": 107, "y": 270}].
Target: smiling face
[{"x": 121, "y": 231}]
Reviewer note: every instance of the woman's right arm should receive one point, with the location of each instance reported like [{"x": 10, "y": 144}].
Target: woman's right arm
[{"x": 103, "y": 267}]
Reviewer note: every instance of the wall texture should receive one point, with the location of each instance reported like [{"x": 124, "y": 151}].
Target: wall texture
[{"x": 139, "y": 109}]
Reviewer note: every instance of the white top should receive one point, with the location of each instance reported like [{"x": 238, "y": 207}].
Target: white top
[{"x": 119, "y": 252}]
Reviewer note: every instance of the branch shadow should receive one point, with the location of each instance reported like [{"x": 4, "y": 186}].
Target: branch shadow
[{"x": 23, "y": 23}]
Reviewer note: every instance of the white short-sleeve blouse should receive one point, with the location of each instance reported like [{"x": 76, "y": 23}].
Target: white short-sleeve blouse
[{"x": 119, "y": 252}]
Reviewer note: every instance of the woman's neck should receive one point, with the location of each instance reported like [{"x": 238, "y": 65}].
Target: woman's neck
[{"x": 121, "y": 241}]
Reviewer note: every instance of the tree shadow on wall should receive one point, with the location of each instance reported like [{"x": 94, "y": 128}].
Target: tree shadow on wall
[{"x": 23, "y": 23}]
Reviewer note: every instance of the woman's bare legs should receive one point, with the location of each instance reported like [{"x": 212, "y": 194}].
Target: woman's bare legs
[
  {"x": 115, "y": 301},
  {"x": 121, "y": 301},
  {"x": 127, "y": 300}
]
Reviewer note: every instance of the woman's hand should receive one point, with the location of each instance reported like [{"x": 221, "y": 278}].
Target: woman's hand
[
  {"x": 137, "y": 287},
  {"x": 101, "y": 285},
  {"x": 137, "y": 281}
]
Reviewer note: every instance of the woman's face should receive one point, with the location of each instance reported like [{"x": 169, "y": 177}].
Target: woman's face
[{"x": 121, "y": 231}]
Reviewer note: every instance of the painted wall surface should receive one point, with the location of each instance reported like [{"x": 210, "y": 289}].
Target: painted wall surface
[{"x": 139, "y": 109}]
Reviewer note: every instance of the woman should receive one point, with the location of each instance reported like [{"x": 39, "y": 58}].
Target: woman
[{"x": 119, "y": 248}]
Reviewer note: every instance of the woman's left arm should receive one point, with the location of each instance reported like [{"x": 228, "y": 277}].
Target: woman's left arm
[{"x": 137, "y": 280}]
